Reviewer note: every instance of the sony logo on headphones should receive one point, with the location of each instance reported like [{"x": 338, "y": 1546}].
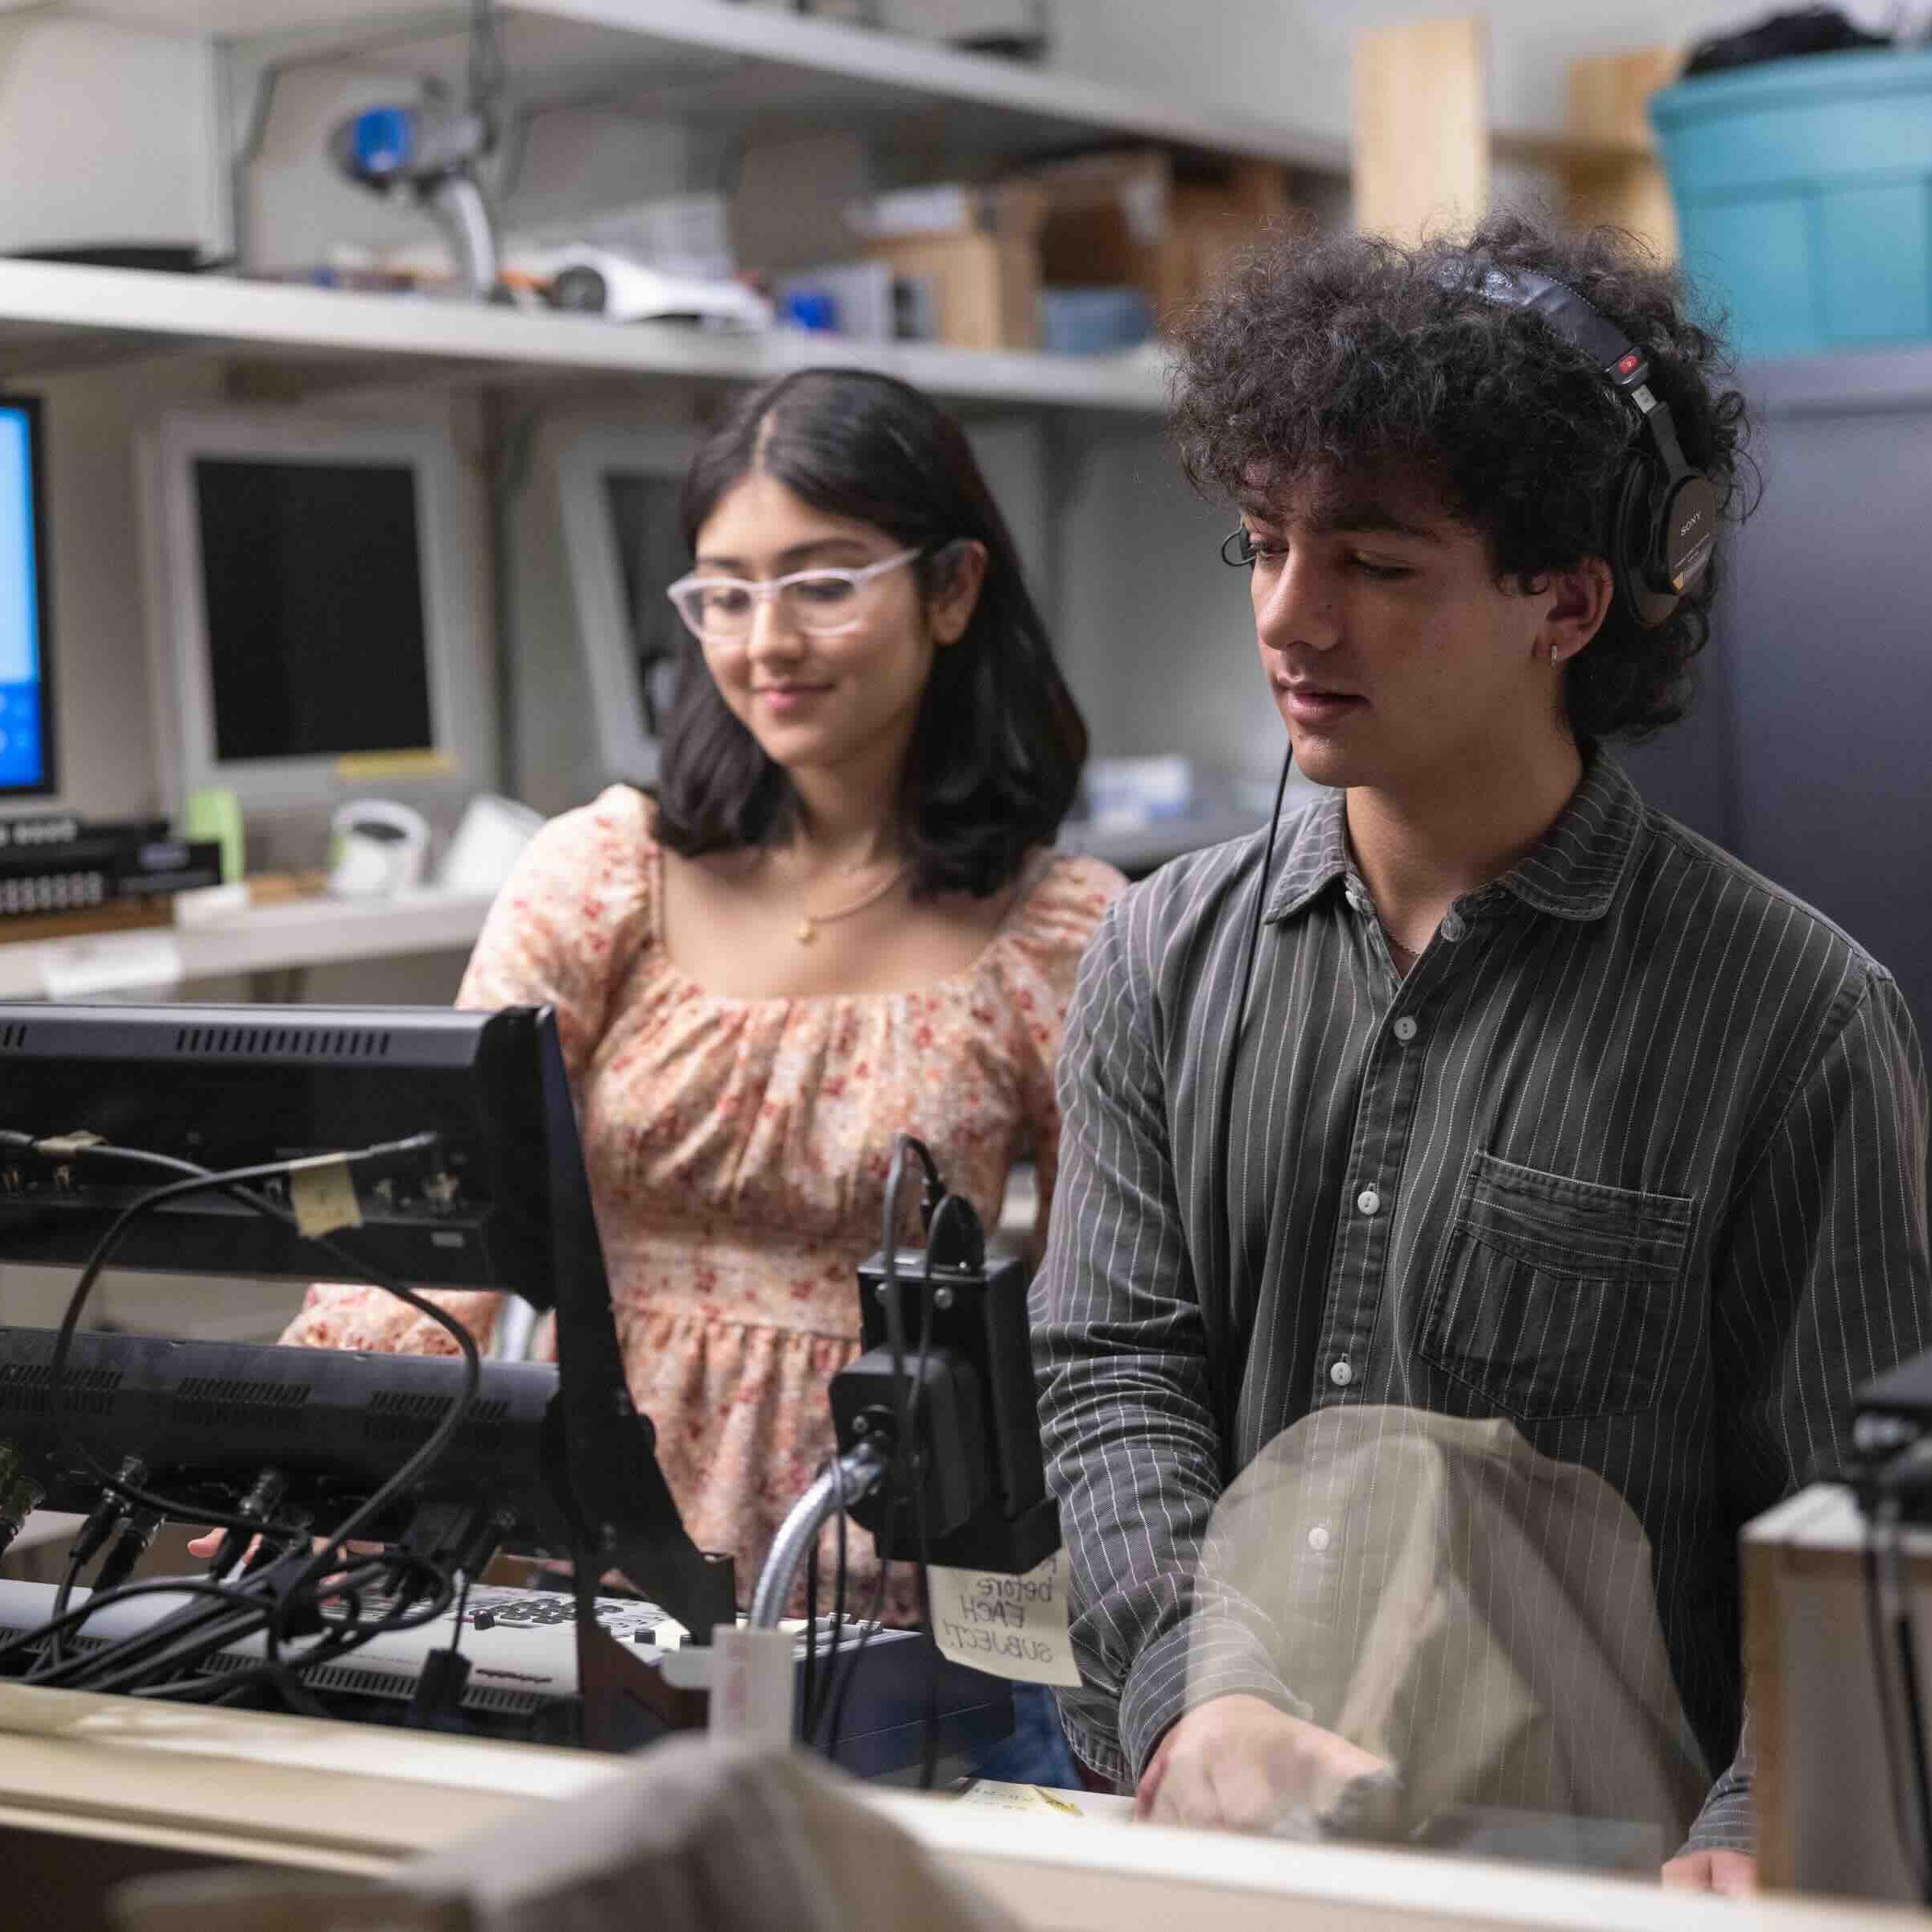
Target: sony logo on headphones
[{"x": 1689, "y": 524}]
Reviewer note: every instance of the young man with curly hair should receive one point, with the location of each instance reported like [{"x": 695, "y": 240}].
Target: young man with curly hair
[{"x": 1481, "y": 1090}]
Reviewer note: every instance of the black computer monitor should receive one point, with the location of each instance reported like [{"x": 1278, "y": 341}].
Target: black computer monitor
[
  {"x": 233, "y": 1087},
  {"x": 311, "y": 618},
  {"x": 26, "y": 665},
  {"x": 502, "y": 1202}
]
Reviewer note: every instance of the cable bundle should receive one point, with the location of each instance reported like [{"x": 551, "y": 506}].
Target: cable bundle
[{"x": 311, "y": 1598}]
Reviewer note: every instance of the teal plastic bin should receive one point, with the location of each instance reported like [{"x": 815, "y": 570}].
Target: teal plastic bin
[{"x": 1804, "y": 197}]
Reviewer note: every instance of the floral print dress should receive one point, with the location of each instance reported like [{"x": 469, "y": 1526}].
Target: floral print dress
[{"x": 737, "y": 1152}]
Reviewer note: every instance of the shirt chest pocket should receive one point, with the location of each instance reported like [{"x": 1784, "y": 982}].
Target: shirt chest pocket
[{"x": 1558, "y": 1299}]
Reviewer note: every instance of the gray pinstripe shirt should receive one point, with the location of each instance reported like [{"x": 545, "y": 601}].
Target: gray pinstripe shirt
[{"x": 1634, "y": 1156}]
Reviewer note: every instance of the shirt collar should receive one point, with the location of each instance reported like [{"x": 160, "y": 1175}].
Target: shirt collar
[
  {"x": 1572, "y": 872},
  {"x": 1315, "y": 855},
  {"x": 1576, "y": 867}
]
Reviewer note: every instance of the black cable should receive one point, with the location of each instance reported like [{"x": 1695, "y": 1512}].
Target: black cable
[
  {"x": 133, "y": 1658},
  {"x": 839, "y": 1682},
  {"x": 234, "y": 1183},
  {"x": 844, "y": 1689},
  {"x": 67, "y": 1146},
  {"x": 928, "y": 1722},
  {"x": 462, "y": 1608},
  {"x": 910, "y": 1403},
  {"x": 221, "y": 1689},
  {"x": 905, "y": 1447},
  {"x": 1888, "y": 1707},
  {"x": 888, "y": 1287},
  {"x": 256, "y": 1506},
  {"x": 73, "y": 1619},
  {"x": 63, "y": 1597},
  {"x": 928, "y": 1736},
  {"x": 346, "y": 1637},
  {"x": 808, "y": 1684},
  {"x": 198, "y": 1638},
  {"x": 131, "y": 1542},
  {"x": 1904, "y": 1638},
  {"x": 1908, "y": 1771},
  {"x": 841, "y": 1583}
]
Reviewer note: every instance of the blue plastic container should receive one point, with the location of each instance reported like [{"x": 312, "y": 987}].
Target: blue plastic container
[
  {"x": 1804, "y": 197},
  {"x": 1094, "y": 321}
]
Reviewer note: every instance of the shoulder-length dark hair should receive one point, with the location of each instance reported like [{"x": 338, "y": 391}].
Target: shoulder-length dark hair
[{"x": 998, "y": 744}]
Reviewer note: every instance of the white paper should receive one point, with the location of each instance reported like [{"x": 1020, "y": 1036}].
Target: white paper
[
  {"x": 752, "y": 1686},
  {"x": 987, "y": 1794},
  {"x": 1008, "y": 1626},
  {"x": 118, "y": 962}
]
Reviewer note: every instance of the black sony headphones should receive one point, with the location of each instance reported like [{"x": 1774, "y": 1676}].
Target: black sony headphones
[{"x": 1663, "y": 514}]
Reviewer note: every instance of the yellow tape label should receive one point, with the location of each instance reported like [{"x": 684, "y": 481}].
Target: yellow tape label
[
  {"x": 323, "y": 1193},
  {"x": 372, "y": 767}
]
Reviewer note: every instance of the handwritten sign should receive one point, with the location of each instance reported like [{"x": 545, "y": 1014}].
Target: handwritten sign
[{"x": 1010, "y": 1626}]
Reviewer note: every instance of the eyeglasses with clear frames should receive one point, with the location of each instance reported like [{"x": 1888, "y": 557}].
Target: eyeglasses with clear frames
[{"x": 822, "y": 603}]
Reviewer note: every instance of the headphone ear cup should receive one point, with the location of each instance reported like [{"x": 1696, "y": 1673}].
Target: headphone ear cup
[{"x": 1634, "y": 558}]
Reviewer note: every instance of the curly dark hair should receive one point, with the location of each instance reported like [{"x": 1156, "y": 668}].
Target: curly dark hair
[
  {"x": 1322, "y": 356},
  {"x": 998, "y": 744}
]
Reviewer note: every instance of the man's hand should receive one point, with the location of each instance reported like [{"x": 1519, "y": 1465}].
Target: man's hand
[
  {"x": 1734, "y": 1873},
  {"x": 1238, "y": 1763}
]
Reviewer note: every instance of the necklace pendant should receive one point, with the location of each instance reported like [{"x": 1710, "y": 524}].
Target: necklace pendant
[{"x": 808, "y": 932}]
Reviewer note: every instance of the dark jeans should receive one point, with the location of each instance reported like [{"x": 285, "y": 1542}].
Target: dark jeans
[{"x": 1037, "y": 1752}]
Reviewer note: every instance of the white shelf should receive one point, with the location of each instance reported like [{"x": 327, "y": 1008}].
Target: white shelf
[
  {"x": 711, "y": 65},
  {"x": 299, "y": 932},
  {"x": 55, "y": 318}
]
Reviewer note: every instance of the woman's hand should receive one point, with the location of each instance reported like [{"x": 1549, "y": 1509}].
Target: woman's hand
[{"x": 205, "y": 1546}]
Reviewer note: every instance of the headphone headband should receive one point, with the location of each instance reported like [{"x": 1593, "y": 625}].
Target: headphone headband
[
  {"x": 1567, "y": 312},
  {"x": 1665, "y": 517}
]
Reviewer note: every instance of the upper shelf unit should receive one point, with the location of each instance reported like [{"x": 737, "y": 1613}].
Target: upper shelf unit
[
  {"x": 55, "y": 318},
  {"x": 713, "y": 66}
]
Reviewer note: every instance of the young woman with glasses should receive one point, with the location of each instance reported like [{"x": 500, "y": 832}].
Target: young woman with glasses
[{"x": 840, "y": 917}]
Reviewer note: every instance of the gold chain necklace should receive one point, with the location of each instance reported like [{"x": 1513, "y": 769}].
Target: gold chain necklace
[{"x": 809, "y": 922}]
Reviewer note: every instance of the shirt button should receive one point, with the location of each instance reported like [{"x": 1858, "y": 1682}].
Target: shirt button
[
  {"x": 1368, "y": 1201},
  {"x": 1454, "y": 926},
  {"x": 1318, "y": 1537},
  {"x": 1340, "y": 1373},
  {"x": 1405, "y": 1029}
]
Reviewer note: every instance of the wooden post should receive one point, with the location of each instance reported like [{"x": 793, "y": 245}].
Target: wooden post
[
  {"x": 1624, "y": 185},
  {"x": 1421, "y": 158}
]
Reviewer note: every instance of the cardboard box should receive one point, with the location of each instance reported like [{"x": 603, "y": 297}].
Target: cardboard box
[
  {"x": 1120, "y": 220},
  {"x": 980, "y": 278},
  {"x": 1127, "y": 220},
  {"x": 980, "y": 290}
]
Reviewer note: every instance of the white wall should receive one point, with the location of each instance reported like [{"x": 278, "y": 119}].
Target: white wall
[{"x": 1288, "y": 59}]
